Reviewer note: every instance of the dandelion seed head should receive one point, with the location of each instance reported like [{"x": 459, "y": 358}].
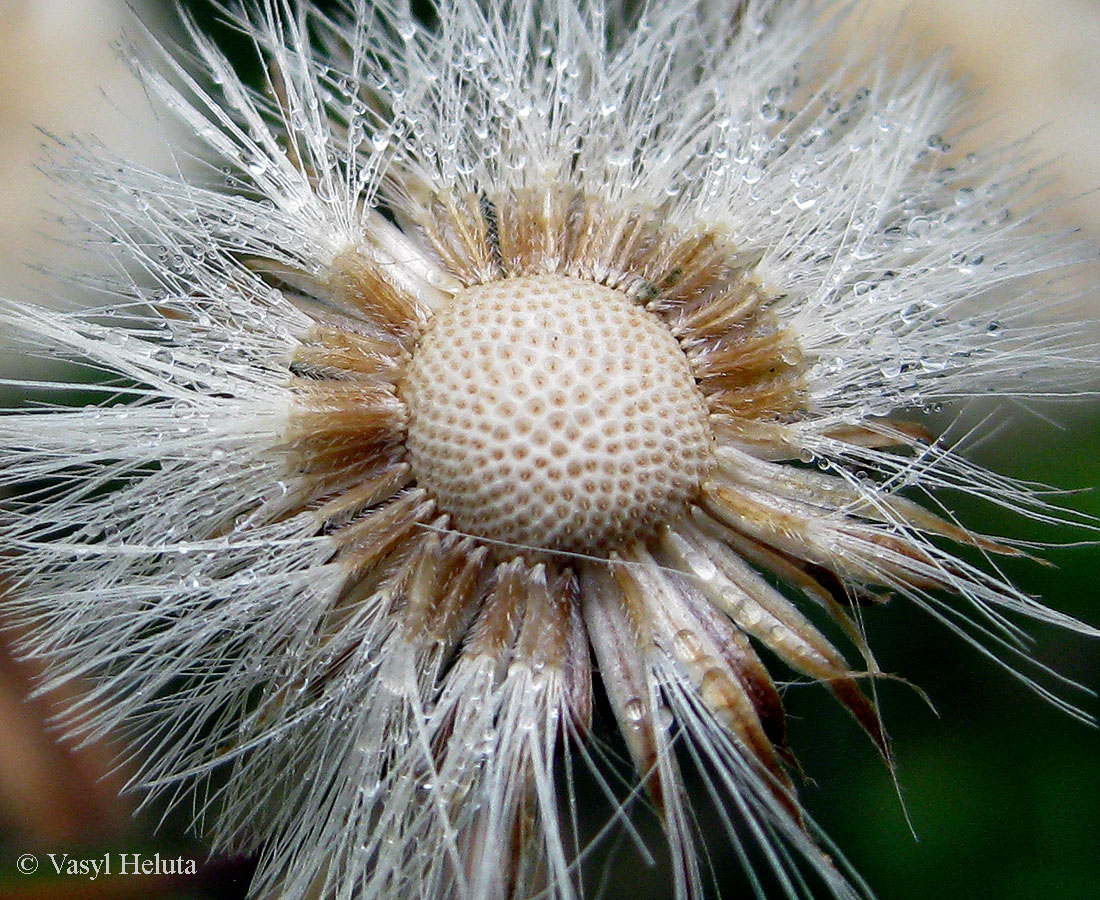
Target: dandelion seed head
[
  {"x": 554, "y": 412},
  {"x": 525, "y": 356}
]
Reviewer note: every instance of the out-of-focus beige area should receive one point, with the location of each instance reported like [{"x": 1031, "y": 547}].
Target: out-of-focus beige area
[
  {"x": 59, "y": 72},
  {"x": 1033, "y": 69},
  {"x": 1031, "y": 64}
]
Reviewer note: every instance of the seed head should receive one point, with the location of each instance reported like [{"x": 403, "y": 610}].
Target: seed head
[
  {"x": 554, "y": 412},
  {"x": 520, "y": 357}
]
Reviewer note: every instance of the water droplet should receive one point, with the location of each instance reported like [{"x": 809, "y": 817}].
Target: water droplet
[
  {"x": 686, "y": 645},
  {"x": 911, "y": 313},
  {"x": 254, "y": 163},
  {"x": 918, "y": 226},
  {"x": 634, "y": 710},
  {"x": 769, "y": 112}
]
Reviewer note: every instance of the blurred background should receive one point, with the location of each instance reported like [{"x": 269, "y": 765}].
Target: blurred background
[{"x": 1003, "y": 792}]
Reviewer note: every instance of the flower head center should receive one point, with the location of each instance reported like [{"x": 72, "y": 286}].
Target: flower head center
[{"x": 554, "y": 412}]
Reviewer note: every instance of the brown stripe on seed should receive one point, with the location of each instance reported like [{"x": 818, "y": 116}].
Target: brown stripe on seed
[{"x": 359, "y": 282}]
